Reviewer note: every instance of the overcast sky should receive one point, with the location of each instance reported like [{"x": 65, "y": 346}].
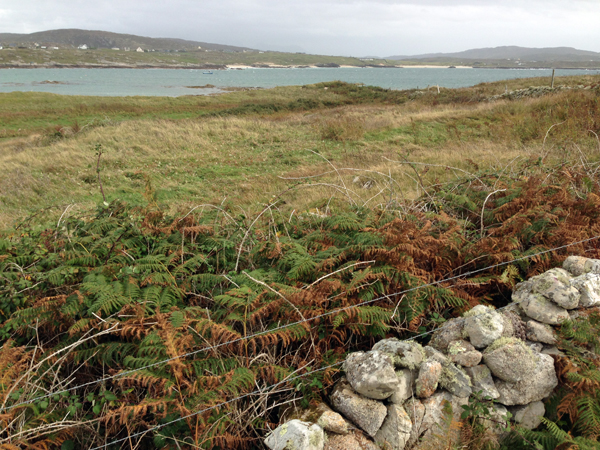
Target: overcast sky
[{"x": 331, "y": 27}]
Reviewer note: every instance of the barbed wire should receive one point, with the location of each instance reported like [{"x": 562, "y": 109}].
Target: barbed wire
[
  {"x": 210, "y": 408},
  {"x": 328, "y": 313}
]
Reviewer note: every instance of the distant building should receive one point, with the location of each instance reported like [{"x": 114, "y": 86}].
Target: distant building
[
  {"x": 54, "y": 48},
  {"x": 139, "y": 50},
  {"x": 44, "y": 47},
  {"x": 126, "y": 49},
  {"x": 83, "y": 47},
  {"x": 115, "y": 48}
]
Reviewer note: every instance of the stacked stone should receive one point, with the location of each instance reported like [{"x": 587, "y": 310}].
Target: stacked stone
[
  {"x": 538, "y": 91},
  {"x": 396, "y": 393}
]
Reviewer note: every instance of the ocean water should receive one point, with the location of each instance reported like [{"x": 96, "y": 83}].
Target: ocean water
[{"x": 176, "y": 82}]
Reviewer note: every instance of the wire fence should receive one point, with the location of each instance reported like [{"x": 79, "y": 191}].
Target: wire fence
[
  {"x": 271, "y": 330},
  {"x": 264, "y": 390}
]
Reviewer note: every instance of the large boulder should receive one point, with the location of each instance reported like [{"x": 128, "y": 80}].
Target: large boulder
[
  {"x": 322, "y": 415},
  {"x": 483, "y": 325},
  {"x": 371, "y": 374},
  {"x": 395, "y": 431},
  {"x": 588, "y": 286},
  {"x": 555, "y": 285},
  {"x": 510, "y": 359},
  {"x": 366, "y": 413},
  {"x": 530, "y": 389},
  {"x": 528, "y": 416},
  {"x": 405, "y": 354},
  {"x": 296, "y": 435},
  {"x": 482, "y": 381}
]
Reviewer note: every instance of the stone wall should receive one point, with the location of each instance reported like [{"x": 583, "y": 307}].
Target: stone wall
[{"x": 395, "y": 395}]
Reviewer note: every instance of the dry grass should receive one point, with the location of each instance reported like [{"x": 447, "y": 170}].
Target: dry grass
[{"x": 362, "y": 151}]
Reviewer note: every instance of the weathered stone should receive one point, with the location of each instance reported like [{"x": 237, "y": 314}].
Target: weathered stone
[
  {"x": 455, "y": 381},
  {"x": 450, "y": 331},
  {"x": 496, "y": 420},
  {"x": 551, "y": 350},
  {"x": 592, "y": 266},
  {"x": 322, "y": 415},
  {"x": 406, "y": 386},
  {"x": 416, "y": 411},
  {"x": 555, "y": 284},
  {"x": 510, "y": 359},
  {"x": 528, "y": 416},
  {"x": 432, "y": 353},
  {"x": 530, "y": 389},
  {"x": 405, "y": 354},
  {"x": 366, "y": 413},
  {"x": 536, "y": 347},
  {"x": 296, "y": 435},
  {"x": 354, "y": 441},
  {"x": 434, "y": 422},
  {"x": 395, "y": 431},
  {"x": 539, "y": 308},
  {"x": 483, "y": 325},
  {"x": 333, "y": 422},
  {"x": 513, "y": 325},
  {"x": 540, "y": 332},
  {"x": 588, "y": 286},
  {"x": 463, "y": 353},
  {"x": 575, "y": 265},
  {"x": 428, "y": 379},
  {"x": 482, "y": 381},
  {"x": 371, "y": 374}
]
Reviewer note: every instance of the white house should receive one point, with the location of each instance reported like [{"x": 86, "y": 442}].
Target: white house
[
  {"x": 83, "y": 47},
  {"x": 139, "y": 50},
  {"x": 115, "y": 48}
]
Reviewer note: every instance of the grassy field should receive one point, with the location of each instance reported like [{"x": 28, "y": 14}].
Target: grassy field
[
  {"x": 36, "y": 57},
  {"x": 242, "y": 148},
  {"x": 250, "y": 240}
]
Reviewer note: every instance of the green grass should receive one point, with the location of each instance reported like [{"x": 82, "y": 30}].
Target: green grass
[{"x": 241, "y": 148}]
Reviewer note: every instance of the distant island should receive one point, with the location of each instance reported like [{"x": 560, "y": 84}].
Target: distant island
[{"x": 74, "y": 48}]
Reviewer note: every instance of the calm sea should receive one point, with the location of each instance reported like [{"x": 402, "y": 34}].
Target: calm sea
[{"x": 176, "y": 82}]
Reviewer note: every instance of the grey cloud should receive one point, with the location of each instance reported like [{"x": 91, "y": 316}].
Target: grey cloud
[{"x": 350, "y": 27}]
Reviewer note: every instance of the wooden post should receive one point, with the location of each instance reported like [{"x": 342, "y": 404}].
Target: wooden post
[{"x": 552, "y": 83}]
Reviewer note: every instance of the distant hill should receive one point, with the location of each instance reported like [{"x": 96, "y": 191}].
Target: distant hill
[
  {"x": 511, "y": 52},
  {"x": 73, "y": 38}
]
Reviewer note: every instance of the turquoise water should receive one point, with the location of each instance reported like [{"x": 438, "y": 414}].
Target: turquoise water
[{"x": 176, "y": 82}]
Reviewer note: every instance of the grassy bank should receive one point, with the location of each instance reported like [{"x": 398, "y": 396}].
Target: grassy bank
[{"x": 244, "y": 147}]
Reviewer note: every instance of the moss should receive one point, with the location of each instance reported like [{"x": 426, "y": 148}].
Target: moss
[
  {"x": 455, "y": 348},
  {"x": 507, "y": 341}
]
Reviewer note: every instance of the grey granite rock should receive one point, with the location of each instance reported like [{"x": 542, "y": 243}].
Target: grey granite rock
[
  {"x": 366, "y": 413},
  {"x": 395, "y": 431},
  {"x": 575, "y": 265},
  {"x": 536, "y": 387},
  {"x": 451, "y": 331},
  {"x": 539, "y": 308},
  {"x": 406, "y": 386},
  {"x": 353, "y": 441},
  {"x": 371, "y": 374},
  {"x": 483, "y": 325},
  {"x": 456, "y": 381},
  {"x": 540, "y": 332},
  {"x": 588, "y": 286},
  {"x": 482, "y": 381},
  {"x": 528, "y": 416},
  {"x": 510, "y": 359},
  {"x": 463, "y": 353},
  {"x": 555, "y": 285},
  {"x": 405, "y": 354},
  {"x": 428, "y": 379},
  {"x": 296, "y": 435}
]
